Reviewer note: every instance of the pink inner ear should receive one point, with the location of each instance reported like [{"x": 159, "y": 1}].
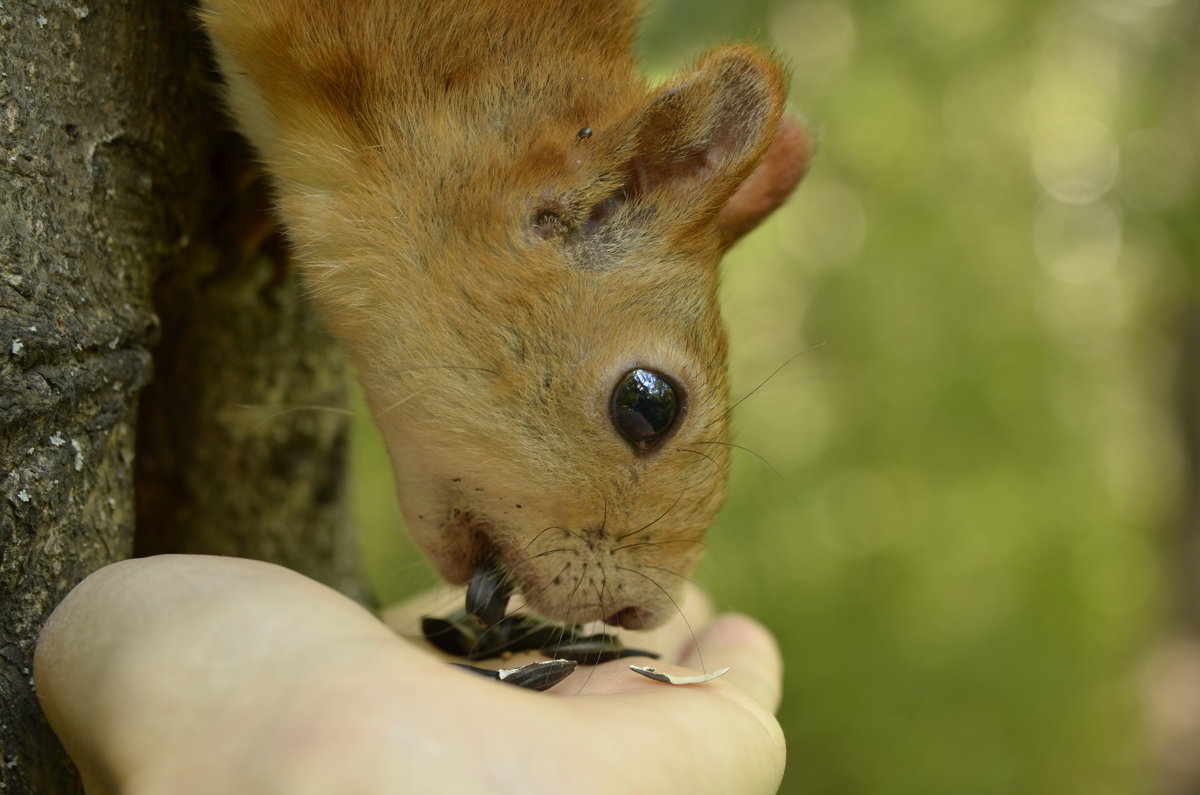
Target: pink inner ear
[
  {"x": 782, "y": 168},
  {"x": 694, "y": 145},
  {"x": 707, "y": 126}
]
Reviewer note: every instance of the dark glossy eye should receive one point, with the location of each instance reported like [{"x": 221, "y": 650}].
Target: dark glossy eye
[{"x": 644, "y": 408}]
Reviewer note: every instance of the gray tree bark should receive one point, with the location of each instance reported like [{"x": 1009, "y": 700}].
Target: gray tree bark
[{"x": 131, "y": 249}]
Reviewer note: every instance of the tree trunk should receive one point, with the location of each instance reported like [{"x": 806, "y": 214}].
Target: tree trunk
[
  {"x": 116, "y": 180},
  {"x": 243, "y": 433}
]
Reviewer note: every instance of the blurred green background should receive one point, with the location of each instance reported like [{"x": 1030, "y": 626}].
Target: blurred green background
[{"x": 959, "y": 496}]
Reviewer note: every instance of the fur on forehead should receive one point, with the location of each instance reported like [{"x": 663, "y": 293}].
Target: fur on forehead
[{"x": 660, "y": 168}]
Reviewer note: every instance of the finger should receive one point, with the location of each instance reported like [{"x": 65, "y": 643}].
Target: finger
[
  {"x": 750, "y": 651},
  {"x": 709, "y": 738},
  {"x": 149, "y": 650},
  {"x": 735, "y": 641}
]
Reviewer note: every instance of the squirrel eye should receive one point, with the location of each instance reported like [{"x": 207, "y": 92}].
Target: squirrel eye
[{"x": 644, "y": 407}]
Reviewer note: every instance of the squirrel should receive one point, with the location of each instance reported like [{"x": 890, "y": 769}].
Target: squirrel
[{"x": 517, "y": 240}]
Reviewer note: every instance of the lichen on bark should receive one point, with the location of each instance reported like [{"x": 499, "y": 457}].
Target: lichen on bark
[{"x": 122, "y": 265}]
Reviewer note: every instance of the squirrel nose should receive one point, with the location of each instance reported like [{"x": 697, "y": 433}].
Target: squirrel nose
[{"x": 632, "y": 617}]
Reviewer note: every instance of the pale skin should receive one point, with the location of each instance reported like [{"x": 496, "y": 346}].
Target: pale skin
[{"x": 191, "y": 674}]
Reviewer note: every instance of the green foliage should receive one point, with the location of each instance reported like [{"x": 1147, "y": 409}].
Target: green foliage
[{"x": 949, "y": 496}]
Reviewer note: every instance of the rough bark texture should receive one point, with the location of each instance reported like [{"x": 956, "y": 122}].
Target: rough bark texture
[
  {"x": 242, "y": 435},
  {"x": 114, "y": 172}
]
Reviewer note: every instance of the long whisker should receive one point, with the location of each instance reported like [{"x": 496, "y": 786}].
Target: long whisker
[
  {"x": 683, "y": 577},
  {"x": 763, "y": 383},
  {"x": 523, "y": 560},
  {"x": 549, "y": 582},
  {"x": 526, "y": 608},
  {"x": 711, "y": 460},
  {"x": 544, "y": 530},
  {"x": 688, "y": 579},
  {"x": 600, "y": 600},
  {"x": 416, "y": 393},
  {"x": 778, "y": 474},
  {"x": 695, "y": 541},
  {"x": 743, "y": 448},
  {"x": 571, "y": 598},
  {"x": 678, "y": 609},
  {"x": 651, "y": 524}
]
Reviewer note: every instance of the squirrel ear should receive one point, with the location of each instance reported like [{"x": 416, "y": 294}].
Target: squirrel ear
[
  {"x": 784, "y": 165},
  {"x": 697, "y": 143}
]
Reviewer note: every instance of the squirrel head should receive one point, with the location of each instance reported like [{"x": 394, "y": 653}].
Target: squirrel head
[{"x": 539, "y": 338}]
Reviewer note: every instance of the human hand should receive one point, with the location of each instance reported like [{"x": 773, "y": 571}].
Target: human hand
[{"x": 191, "y": 674}]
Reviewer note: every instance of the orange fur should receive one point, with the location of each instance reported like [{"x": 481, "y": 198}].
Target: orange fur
[{"x": 493, "y": 274}]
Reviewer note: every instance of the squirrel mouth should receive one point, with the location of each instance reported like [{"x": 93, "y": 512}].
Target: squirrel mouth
[
  {"x": 489, "y": 589},
  {"x": 460, "y": 546},
  {"x": 493, "y": 583},
  {"x": 629, "y": 618},
  {"x": 484, "y": 629}
]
